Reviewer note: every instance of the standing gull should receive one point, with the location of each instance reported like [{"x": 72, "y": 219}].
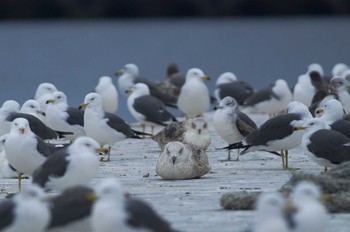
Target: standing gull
[
  {"x": 180, "y": 161},
  {"x": 129, "y": 76},
  {"x": 147, "y": 109},
  {"x": 61, "y": 117},
  {"x": 24, "y": 150},
  {"x": 112, "y": 211},
  {"x": 228, "y": 85},
  {"x": 231, "y": 124},
  {"x": 105, "y": 128},
  {"x": 272, "y": 99},
  {"x": 76, "y": 164},
  {"x": 194, "y": 99},
  {"x": 325, "y": 147},
  {"x": 191, "y": 131},
  {"x": 26, "y": 211},
  {"x": 276, "y": 134},
  {"x": 269, "y": 213},
  {"x": 108, "y": 93}
]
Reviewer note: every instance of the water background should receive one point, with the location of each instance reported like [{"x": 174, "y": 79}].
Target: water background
[{"x": 74, "y": 54}]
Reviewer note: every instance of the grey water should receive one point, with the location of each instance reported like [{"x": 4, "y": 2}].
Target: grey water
[{"x": 74, "y": 54}]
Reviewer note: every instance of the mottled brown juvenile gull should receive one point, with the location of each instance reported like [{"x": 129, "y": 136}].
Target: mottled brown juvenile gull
[
  {"x": 325, "y": 147},
  {"x": 73, "y": 165},
  {"x": 180, "y": 161},
  {"x": 272, "y": 99},
  {"x": 191, "y": 131},
  {"x": 26, "y": 211},
  {"x": 194, "y": 99},
  {"x": 227, "y": 84},
  {"x": 269, "y": 215},
  {"x": 24, "y": 150},
  {"x": 113, "y": 211},
  {"x": 61, "y": 117},
  {"x": 231, "y": 124},
  {"x": 105, "y": 128},
  {"x": 108, "y": 93},
  {"x": 146, "y": 108}
]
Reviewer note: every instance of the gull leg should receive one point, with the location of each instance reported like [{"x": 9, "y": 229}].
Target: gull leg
[
  {"x": 325, "y": 169},
  {"x": 284, "y": 154},
  {"x": 143, "y": 127},
  {"x": 229, "y": 157},
  {"x": 19, "y": 182},
  {"x": 152, "y": 129}
]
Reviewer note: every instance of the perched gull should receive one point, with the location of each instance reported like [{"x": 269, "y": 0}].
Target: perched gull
[
  {"x": 276, "y": 134},
  {"x": 272, "y": 99},
  {"x": 129, "y": 76},
  {"x": 231, "y": 124},
  {"x": 194, "y": 97},
  {"x": 191, "y": 131},
  {"x": 269, "y": 213},
  {"x": 76, "y": 164},
  {"x": 325, "y": 147},
  {"x": 338, "y": 85},
  {"x": 180, "y": 161},
  {"x": 32, "y": 107},
  {"x": 105, "y": 128},
  {"x": 71, "y": 210},
  {"x": 310, "y": 213},
  {"x": 26, "y": 211},
  {"x": 113, "y": 211},
  {"x": 108, "y": 93},
  {"x": 61, "y": 117},
  {"x": 147, "y": 109},
  {"x": 43, "y": 93},
  {"x": 228, "y": 85},
  {"x": 24, "y": 150},
  {"x": 8, "y": 107}
]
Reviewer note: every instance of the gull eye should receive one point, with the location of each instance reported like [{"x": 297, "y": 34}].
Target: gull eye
[
  {"x": 32, "y": 106},
  {"x": 181, "y": 150},
  {"x": 87, "y": 145}
]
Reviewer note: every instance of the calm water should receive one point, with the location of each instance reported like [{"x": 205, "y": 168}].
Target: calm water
[{"x": 72, "y": 55}]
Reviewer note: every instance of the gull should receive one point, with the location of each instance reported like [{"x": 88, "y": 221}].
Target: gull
[
  {"x": 194, "y": 99},
  {"x": 180, "y": 161},
  {"x": 108, "y": 93},
  {"x": 231, "y": 124}
]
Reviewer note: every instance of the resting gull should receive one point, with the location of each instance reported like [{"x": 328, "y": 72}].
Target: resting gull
[
  {"x": 310, "y": 214},
  {"x": 112, "y": 210},
  {"x": 108, "y": 93},
  {"x": 24, "y": 150},
  {"x": 194, "y": 97},
  {"x": 231, "y": 124},
  {"x": 105, "y": 128},
  {"x": 269, "y": 215},
  {"x": 8, "y": 107},
  {"x": 325, "y": 147},
  {"x": 191, "y": 131},
  {"x": 129, "y": 76},
  {"x": 71, "y": 210},
  {"x": 146, "y": 108},
  {"x": 272, "y": 99},
  {"x": 180, "y": 161},
  {"x": 76, "y": 164},
  {"x": 276, "y": 134},
  {"x": 26, "y": 211},
  {"x": 43, "y": 93},
  {"x": 227, "y": 84},
  {"x": 61, "y": 117}
]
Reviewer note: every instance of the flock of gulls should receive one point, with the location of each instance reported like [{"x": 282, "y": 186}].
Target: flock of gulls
[{"x": 59, "y": 147}]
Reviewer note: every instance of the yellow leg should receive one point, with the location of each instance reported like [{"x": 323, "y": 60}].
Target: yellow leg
[{"x": 108, "y": 155}]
